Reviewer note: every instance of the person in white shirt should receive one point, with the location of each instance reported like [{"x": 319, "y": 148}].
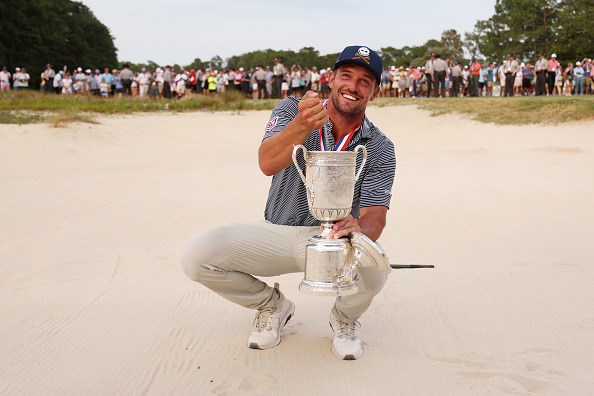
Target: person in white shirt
[
  {"x": 5, "y": 79},
  {"x": 144, "y": 80},
  {"x": 315, "y": 79},
  {"x": 57, "y": 83},
  {"x": 66, "y": 83},
  {"x": 180, "y": 83},
  {"x": 23, "y": 79}
]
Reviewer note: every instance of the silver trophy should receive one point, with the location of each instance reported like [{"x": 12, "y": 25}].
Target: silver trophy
[{"x": 330, "y": 184}]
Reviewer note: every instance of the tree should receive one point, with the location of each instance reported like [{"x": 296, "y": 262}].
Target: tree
[
  {"x": 60, "y": 32},
  {"x": 575, "y": 22},
  {"x": 522, "y": 27},
  {"x": 452, "y": 42}
]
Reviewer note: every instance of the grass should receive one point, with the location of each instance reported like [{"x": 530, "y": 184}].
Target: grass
[
  {"x": 32, "y": 106},
  {"x": 517, "y": 110}
]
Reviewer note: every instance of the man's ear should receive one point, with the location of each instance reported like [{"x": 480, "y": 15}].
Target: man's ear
[
  {"x": 377, "y": 91},
  {"x": 331, "y": 79}
]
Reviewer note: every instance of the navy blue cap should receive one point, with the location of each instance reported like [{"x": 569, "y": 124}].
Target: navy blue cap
[{"x": 361, "y": 56}]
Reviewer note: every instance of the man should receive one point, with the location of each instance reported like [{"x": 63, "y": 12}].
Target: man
[
  {"x": 57, "y": 82},
  {"x": 552, "y": 66},
  {"x": 226, "y": 258},
  {"x": 279, "y": 75},
  {"x": 386, "y": 83},
  {"x": 540, "y": 68},
  {"x": 440, "y": 69},
  {"x": 475, "y": 72},
  {"x": 144, "y": 80},
  {"x": 260, "y": 79},
  {"x": 429, "y": 72},
  {"x": 23, "y": 79},
  {"x": 167, "y": 80},
  {"x": 5, "y": 79},
  {"x": 48, "y": 77},
  {"x": 456, "y": 79},
  {"x": 510, "y": 67},
  {"x": 108, "y": 77},
  {"x": 269, "y": 76},
  {"x": 127, "y": 76}
]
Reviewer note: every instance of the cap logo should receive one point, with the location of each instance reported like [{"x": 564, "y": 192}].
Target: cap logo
[{"x": 363, "y": 54}]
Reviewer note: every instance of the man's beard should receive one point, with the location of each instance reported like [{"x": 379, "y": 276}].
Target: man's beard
[{"x": 347, "y": 112}]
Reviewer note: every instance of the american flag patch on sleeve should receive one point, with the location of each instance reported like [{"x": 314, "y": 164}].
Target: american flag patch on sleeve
[{"x": 271, "y": 124}]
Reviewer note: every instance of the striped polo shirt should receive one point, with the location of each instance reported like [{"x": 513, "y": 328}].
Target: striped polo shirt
[{"x": 287, "y": 199}]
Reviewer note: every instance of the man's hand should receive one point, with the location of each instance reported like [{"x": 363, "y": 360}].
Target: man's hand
[
  {"x": 312, "y": 113},
  {"x": 344, "y": 227},
  {"x": 371, "y": 223}
]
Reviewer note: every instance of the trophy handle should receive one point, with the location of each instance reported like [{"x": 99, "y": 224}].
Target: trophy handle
[
  {"x": 359, "y": 147},
  {"x": 296, "y": 150}
]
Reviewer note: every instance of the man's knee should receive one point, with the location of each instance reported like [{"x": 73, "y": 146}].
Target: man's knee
[
  {"x": 373, "y": 279},
  {"x": 200, "y": 255}
]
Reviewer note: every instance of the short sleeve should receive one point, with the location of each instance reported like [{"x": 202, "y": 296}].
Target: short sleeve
[{"x": 283, "y": 113}]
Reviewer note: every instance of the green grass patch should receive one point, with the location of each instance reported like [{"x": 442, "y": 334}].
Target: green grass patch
[
  {"x": 23, "y": 107},
  {"x": 517, "y": 110}
]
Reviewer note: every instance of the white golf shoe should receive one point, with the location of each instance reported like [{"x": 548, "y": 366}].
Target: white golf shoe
[
  {"x": 269, "y": 322},
  {"x": 346, "y": 344}
]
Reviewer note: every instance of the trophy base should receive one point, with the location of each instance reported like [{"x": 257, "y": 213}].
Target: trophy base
[{"x": 327, "y": 288}]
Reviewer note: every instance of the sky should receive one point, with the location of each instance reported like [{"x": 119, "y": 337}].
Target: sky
[{"x": 178, "y": 31}]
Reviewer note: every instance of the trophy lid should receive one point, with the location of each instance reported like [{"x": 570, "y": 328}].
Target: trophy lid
[{"x": 368, "y": 253}]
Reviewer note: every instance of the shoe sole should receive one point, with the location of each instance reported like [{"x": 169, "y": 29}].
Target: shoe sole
[{"x": 253, "y": 345}]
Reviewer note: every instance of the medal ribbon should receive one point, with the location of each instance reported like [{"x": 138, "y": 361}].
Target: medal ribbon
[{"x": 342, "y": 143}]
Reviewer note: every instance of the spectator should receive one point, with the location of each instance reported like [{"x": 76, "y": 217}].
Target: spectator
[
  {"x": 260, "y": 79},
  {"x": 167, "y": 80},
  {"x": 475, "y": 72},
  {"x": 48, "y": 77},
  {"x": 269, "y": 76},
  {"x": 440, "y": 69},
  {"x": 23, "y": 78},
  {"x": 558, "y": 87},
  {"x": 134, "y": 86},
  {"x": 456, "y": 80},
  {"x": 5, "y": 78},
  {"x": 540, "y": 68},
  {"x": 568, "y": 74},
  {"x": 465, "y": 81},
  {"x": 492, "y": 78},
  {"x": 279, "y": 76},
  {"x": 386, "y": 83},
  {"x": 429, "y": 73},
  {"x": 127, "y": 76},
  {"x": 518, "y": 81},
  {"x": 117, "y": 83},
  {"x": 578, "y": 73},
  {"x": 57, "y": 82},
  {"x": 66, "y": 83},
  {"x": 483, "y": 78},
  {"x": 552, "y": 65},
  {"x": 510, "y": 68},
  {"x": 527, "y": 74},
  {"x": 144, "y": 81},
  {"x": 104, "y": 87}
]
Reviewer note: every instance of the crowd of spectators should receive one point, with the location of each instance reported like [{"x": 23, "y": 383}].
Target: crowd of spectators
[
  {"x": 438, "y": 77},
  {"x": 452, "y": 79}
]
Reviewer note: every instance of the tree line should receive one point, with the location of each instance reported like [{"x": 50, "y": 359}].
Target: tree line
[
  {"x": 61, "y": 32},
  {"x": 65, "y": 32}
]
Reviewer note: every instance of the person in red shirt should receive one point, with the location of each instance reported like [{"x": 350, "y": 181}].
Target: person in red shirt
[
  {"x": 475, "y": 71},
  {"x": 192, "y": 79},
  {"x": 552, "y": 66}
]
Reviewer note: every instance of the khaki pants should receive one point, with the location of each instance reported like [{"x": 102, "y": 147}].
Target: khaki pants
[{"x": 225, "y": 258}]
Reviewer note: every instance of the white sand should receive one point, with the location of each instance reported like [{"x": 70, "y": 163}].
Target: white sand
[{"x": 93, "y": 300}]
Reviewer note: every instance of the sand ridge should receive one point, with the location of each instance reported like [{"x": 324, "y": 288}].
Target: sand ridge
[{"x": 93, "y": 300}]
